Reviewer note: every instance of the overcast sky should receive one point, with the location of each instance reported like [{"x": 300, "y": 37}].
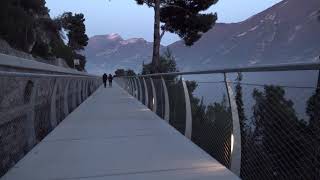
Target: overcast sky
[{"x": 130, "y": 20}]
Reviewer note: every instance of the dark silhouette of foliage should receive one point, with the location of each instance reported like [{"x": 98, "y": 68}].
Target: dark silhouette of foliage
[
  {"x": 244, "y": 124},
  {"x": 130, "y": 72},
  {"x": 38, "y": 6},
  {"x": 27, "y": 26},
  {"x": 16, "y": 24},
  {"x": 75, "y": 26},
  {"x": 167, "y": 64},
  {"x": 313, "y": 111},
  {"x": 60, "y": 50},
  {"x": 278, "y": 147},
  {"x": 215, "y": 131},
  {"x": 76, "y": 33},
  {"x": 122, "y": 72},
  {"x": 119, "y": 72},
  {"x": 184, "y": 18}
]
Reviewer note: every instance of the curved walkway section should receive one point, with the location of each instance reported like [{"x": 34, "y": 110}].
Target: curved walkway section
[{"x": 113, "y": 136}]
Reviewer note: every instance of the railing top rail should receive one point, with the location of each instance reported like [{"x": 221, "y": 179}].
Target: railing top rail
[
  {"x": 37, "y": 75},
  {"x": 12, "y": 62},
  {"x": 262, "y": 68}
]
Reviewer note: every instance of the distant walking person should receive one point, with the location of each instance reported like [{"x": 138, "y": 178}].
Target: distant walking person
[
  {"x": 104, "y": 79},
  {"x": 110, "y": 78}
]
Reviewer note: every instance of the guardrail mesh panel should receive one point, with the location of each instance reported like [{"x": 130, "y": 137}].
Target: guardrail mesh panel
[
  {"x": 280, "y": 134},
  {"x": 29, "y": 110},
  {"x": 14, "y": 92},
  {"x": 211, "y": 115},
  {"x": 160, "y": 96},
  {"x": 150, "y": 93},
  {"x": 143, "y": 95},
  {"x": 177, "y": 104},
  {"x": 278, "y": 113}
]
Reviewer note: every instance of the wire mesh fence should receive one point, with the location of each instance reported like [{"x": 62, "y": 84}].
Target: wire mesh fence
[
  {"x": 279, "y": 131},
  {"x": 278, "y": 114},
  {"x": 32, "y": 106}
]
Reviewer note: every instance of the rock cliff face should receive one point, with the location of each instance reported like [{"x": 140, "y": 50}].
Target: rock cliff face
[
  {"x": 285, "y": 33},
  {"x": 5, "y": 48}
]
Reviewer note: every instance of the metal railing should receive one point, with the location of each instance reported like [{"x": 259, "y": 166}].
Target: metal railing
[
  {"x": 33, "y": 104},
  {"x": 261, "y": 122}
]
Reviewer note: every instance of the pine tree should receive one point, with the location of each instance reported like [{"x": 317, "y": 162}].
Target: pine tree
[
  {"x": 182, "y": 17},
  {"x": 76, "y": 30},
  {"x": 167, "y": 65},
  {"x": 279, "y": 137},
  {"x": 313, "y": 111},
  {"x": 78, "y": 39}
]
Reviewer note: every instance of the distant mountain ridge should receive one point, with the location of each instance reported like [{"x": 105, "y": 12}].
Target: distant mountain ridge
[
  {"x": 106, "y": 53},
  {"x": 285, "y": 33}
]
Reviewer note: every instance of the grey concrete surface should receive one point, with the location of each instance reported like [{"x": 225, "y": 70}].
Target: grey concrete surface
[{"x": 113, "y": 136}]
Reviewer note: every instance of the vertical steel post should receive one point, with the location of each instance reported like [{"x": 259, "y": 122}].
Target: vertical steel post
[
  {"x": 140, "y": 89},
  {"x": 30, "y": 124},
  {"x": 236, "y": 132},
  {"x": 166, "y": 101},
  {"x": 53, "y": 110},
  {"x": 188, "y": 130},
  {"x": 131, "y": 86},
  {"x": 146, "y": 99},
  {"x": 79, "y": 92},
  {"x": 136, "y": 94},
  {"x": 154, "y": 95},
  {"x": 65, "y": 98},
  {"x": 74, "y": 95}
]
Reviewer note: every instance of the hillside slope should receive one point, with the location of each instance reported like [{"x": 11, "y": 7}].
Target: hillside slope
[{"x": 286, "y": 32}]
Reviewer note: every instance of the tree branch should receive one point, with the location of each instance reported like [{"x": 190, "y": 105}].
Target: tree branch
[{"x": 162, "y": 34}]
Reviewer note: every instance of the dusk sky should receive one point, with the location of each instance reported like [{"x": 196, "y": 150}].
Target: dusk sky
[{"x": 130, "y": 20}]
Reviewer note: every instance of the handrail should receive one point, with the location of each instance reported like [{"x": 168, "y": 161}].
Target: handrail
[
  {"x": 262, "y": 68},
  {"x": 23, "y": 74},
  {"x": 17, "y": 63}
]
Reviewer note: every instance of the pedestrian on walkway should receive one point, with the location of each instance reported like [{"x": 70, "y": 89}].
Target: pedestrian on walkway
[
  {"x": 110, "y": 78},
  {"x": 104, "y": 79}
]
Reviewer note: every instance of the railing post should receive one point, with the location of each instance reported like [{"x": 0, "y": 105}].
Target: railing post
[
  {"x": 65, "y": 98},
  {"x": 166, "y": 101},
  {"x": 86, "y": 89},
  {"x": 188, "y": 130},
  {"x": 140, "y": 89},
  {"x": 131, "y": 86},
  {"x": 154, "y": 95},
  {"x": 53, "y": 110},
  {"x": 74, "y": 95},
  {"x": 136, "y": 89},
  {"x": 83, "y": 90},
  {"x": 31, "y": 136},
  {"x": 128, "y": 85},
  {"x": 79, "y": 92},
  {"x": 146, "y": 99},
  {"x": 236, "y": 132}
]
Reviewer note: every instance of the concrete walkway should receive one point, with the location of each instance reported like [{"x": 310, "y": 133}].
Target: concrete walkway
[{"x": 113, "y": 136}]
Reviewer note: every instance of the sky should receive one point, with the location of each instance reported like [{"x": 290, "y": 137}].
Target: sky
[{"x": 132, "y": 21}]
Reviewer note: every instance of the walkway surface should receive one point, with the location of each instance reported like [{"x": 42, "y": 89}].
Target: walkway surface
[{"x": 113, "y": 136}]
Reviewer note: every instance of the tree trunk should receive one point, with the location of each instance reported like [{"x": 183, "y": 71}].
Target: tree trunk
[{"x": 156, "y": 38}]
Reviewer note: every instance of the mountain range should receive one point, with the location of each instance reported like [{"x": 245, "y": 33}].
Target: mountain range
[
  {"x": 287, "y": 32},
  {"x": 106, "y": 53}
]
